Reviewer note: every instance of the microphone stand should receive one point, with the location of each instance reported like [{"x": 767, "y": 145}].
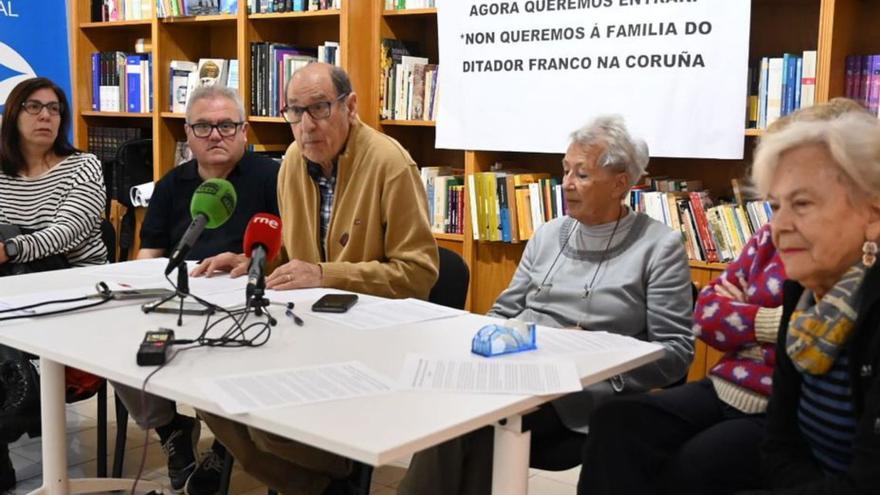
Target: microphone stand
[
  {"x": 181, "y": 291},
  {"x": 258, "y": 300}
]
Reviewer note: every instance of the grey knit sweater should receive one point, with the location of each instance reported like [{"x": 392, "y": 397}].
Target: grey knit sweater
[{"x": 641, "y": 289}]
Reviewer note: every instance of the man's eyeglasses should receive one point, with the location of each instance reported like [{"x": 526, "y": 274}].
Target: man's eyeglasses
[
  {"x": 317, "y": 111},
  {"x": 34, "y": 107},
  {"x": 203, "y": 129}
]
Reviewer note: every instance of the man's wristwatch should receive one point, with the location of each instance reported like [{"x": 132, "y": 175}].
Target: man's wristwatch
[{"x": 11, "y": 248}]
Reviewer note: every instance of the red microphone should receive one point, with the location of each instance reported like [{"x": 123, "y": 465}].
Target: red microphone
[{"x": 262, "y": 241}]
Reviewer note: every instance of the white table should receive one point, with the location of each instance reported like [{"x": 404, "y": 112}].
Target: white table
[{"x": 375, "y": 430}]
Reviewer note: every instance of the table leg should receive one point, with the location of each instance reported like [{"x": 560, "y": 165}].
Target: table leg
[
  {"x": 54, "y": 426},
  {"x": 510, "y": 465}
]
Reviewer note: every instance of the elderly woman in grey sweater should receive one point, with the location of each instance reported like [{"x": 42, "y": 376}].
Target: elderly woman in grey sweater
[{"x": 600, "y": 267}]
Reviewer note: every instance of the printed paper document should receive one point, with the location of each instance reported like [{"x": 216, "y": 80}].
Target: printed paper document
[
  {"x": 243, "y": 393},
  {"x": 389, "y": 313},
  {"x": 488, "y": 376}
]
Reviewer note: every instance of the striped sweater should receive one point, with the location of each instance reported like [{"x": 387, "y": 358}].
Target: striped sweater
[
  {"x": 64, "y": 206},
  {"x": 745, "y": 331}
]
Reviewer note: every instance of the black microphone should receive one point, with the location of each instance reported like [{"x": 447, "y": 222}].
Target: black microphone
[{"x": 211, "y": 206}]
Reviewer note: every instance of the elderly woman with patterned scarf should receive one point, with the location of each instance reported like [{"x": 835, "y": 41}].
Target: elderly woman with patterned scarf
[{"x": 823, "y": 423}]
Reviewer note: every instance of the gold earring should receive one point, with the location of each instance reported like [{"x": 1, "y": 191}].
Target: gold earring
[{"x": 869, "y": 253}]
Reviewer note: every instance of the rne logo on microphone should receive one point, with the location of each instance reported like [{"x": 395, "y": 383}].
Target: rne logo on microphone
[{"x": 268, "y": 221}]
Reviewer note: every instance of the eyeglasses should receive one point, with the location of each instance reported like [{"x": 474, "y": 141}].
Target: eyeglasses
[
  {"x": 317, "y": 111},
  {"x": 34, "y": 107},
  {"x": 203, "y": 129}
]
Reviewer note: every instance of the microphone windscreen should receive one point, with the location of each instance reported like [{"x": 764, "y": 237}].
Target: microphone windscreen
[
  {"x": 214, "y": 198},
  {"x": 264, "y": 229}
]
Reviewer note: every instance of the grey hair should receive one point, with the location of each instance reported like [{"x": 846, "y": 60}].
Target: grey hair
[
  {"x": 622, "y": 153},
  {"x": 205, "y": 92},
  {"x": 852, "y": 140}
]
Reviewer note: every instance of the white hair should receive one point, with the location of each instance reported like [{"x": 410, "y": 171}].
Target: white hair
[
  {"x": 852, "y": 140},
  {"x": 204, "y": 92},
  {"x": 622, "y": 152}
]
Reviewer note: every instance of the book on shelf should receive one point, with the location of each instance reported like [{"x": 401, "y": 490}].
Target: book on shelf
[
  {"x": 272, "y": 65},
  {"x": 121, "y": 82},
  {"x": 409, "y": 4},
  {"x": 863, "y": 81},
  {"x": 212, "y": 71},
  {"x": 278, "y": 6},
  {"x": 779, "y": 86},
  {"x": 121, "y": 10},
  {"x": 444, "y": 187},
  {"x": 408, "y": 87},
  {"x": 509, "y": 205},
  {"x": 710, "y": 232},
  {"x": 180, "y": 84},
  {"x": 103, "y": 142}
]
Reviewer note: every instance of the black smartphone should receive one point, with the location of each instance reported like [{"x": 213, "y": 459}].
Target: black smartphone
[
  {"x": 334, "y": 303},
  {"x": 141, "y": 294}
]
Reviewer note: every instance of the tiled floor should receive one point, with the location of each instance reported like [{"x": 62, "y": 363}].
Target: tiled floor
[{"x": 82, "y": 457}]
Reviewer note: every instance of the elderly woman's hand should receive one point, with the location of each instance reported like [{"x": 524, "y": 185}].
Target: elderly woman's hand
[{"x": 730, "y": 291}]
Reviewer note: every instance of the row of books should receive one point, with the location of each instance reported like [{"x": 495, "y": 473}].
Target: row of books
[
  {"x": 408, "y": 90},
  {"x": 509, "y": 206},
  {"x": 122, "y": 82},
  {"x": 710, "y": 233},
  {"x": 445, "y": 189},
  {"x": 408, "y": 4},
  {"x": 272, "y": 66},
  {"x": 185, "y": 76},
  {"x": 779, "y": 86},
  {"x": 268, "y": 6},
  {"x": 174, "y": 8},
  {"x": 863, "y": 80},
  {"x": 104, "y": 141},
  {"x": 121, "y": 10}
]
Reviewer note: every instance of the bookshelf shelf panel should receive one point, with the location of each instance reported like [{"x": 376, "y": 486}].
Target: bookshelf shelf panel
[
  {"x": 116, "y": 24},
  {"x": 754, "y": 132},
  {"x": 410, "y": 123},
  {"x": 410, "y": 12},
  {"x": 449, "y": 237},
  {"x": 703, "y": 265},
  {"x": 116, "y": 115},
  {"x": 201, "y": 19},
  {"x": 172, "y": 115},
  {"x": 266, "y": 120}
]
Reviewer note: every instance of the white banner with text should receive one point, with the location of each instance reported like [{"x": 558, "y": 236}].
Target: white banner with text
[{"x": 521, "y": 75}]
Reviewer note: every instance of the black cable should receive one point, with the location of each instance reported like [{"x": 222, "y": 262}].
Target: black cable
[
  {"x": 44, "y": 303},
  {"x": 143, "y": 400},
  {"x": 58, "y": 311}
]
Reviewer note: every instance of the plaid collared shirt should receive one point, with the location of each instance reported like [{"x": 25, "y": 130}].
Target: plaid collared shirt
[{"x": 327, "y": 188}]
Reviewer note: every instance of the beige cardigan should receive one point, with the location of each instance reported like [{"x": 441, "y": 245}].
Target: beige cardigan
[{"x": 379, "y": 241}]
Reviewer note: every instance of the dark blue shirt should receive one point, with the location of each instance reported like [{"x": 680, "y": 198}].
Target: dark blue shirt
[{"x": 255, "y": 179}]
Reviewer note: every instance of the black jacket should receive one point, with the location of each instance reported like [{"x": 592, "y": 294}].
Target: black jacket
[{"x": 787, "y": 460}]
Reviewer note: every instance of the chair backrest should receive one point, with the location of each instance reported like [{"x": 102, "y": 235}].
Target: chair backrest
[
  {"x": 134, "y": 166},
  {"x": 451, "y": 287},
  {"x": 108, "y": 235}
]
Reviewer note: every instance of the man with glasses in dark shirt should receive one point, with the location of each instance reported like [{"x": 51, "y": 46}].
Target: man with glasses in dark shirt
[{"x": 216, "y": 132}]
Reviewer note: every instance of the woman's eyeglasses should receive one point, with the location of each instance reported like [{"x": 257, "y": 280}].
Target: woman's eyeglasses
[{"x": 34, "y": 107}]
